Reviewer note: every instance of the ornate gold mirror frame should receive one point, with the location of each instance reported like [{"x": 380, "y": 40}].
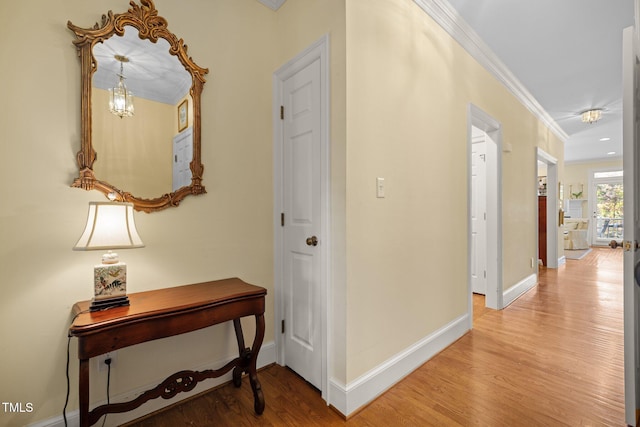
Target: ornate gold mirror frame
[{"x": 151, "y": 27}]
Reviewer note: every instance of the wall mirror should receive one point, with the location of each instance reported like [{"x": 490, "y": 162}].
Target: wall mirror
[{"x": 140, "y": 110}]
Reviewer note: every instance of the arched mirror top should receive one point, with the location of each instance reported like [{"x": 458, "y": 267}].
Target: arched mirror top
[{"x": 149, "y": 155}]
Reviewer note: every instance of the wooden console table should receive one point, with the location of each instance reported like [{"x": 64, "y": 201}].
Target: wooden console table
[{"x": 164, "y": 313}]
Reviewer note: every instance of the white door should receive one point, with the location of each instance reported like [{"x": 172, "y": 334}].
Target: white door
[
  {"x": 631, "y": 162},
  {"x": 182, "y": 157},
  {"x": 478, "y": 216},
  {"x": 302, "y": 239}
]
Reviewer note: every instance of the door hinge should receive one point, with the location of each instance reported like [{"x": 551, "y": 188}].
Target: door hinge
[
  {"x": 282, "y": 219},
  {"x": 282, "y": 112},
  {"x": 282, "y": 331},
  {"x": 485, "y": 274}
]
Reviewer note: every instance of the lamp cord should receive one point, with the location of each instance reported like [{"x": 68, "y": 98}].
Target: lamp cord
[
  {"x": 108, "y": 362},
  {"x": 66, "y": 400}
]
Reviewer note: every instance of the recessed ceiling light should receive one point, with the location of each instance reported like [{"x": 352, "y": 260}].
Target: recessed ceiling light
[
  {"x": 611, "y": 153},
  {"x": 605, "y": 139}
]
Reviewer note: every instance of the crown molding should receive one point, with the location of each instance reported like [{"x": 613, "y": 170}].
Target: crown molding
[
  {"x": 272, "y": 4},
  {"x": 448, "y": 18}
]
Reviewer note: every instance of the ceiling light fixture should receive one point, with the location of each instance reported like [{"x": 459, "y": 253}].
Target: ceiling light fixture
[
  {"x": 591, "y": 116},
  {"x": 121, "y": 98},
  {"x": 605, "y": 139}
]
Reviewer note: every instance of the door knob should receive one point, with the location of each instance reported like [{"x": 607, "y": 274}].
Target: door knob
[{"x": 312, "y": 241}]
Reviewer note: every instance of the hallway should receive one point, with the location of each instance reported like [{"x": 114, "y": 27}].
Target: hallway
[{"x": 552, "y": 358}]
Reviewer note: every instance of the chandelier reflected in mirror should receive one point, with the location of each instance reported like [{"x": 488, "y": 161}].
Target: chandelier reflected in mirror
[{"x": 121, "y": 98}]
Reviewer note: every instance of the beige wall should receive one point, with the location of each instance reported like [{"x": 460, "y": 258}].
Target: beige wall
[
  {"x": 408, "y": 90},
  {"x": 578, "y": 173},
  {"x": 226, "y": 232},
  {"x": 135, "y": 153}
]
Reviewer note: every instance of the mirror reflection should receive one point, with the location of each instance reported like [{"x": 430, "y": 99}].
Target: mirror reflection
[
  {"x": 140, "y": 110},
  {"x": 147, "y": 148}
]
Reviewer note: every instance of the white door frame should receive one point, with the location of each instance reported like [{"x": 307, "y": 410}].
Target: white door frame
[
  {"x": 552, "y": 205},
  {"x": 494, "y": 297},
  {"x": 631, "y": 160},
  {"x": 318, "y": 50}
]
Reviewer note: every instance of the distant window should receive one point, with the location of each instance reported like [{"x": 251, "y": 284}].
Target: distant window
[{"x": 610, "y": 174}]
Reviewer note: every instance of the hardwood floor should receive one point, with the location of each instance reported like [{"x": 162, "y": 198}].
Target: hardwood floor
[{"x": 552, "y": 358}]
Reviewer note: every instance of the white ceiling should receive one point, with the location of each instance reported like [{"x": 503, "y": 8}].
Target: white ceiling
[
  {"x": 151, "y": 73},
  {"x": 567, "y": 54}
]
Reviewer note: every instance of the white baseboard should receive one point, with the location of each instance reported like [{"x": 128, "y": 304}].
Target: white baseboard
[
  {"x": 345, "y": 399},
  {"x": 266, "y": 357},
  {"x": 512, "y": 294},
  {"x": 562, "y": 260},
  {"x": 372, "y": 384}
]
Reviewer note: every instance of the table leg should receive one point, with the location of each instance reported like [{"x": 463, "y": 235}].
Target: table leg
[
  {"x": 242, "y": 353},
  {"x": 84, "y": 392},
  {"x": 258, "y": 396},
  {"x": 248, "y": 359}
]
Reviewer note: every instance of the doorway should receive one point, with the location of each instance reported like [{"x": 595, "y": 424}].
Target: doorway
[
  {"x": 478, "y": 214},
  {"x": 552, "y": 205},
  {"x": 606, "y": 203},
  {"x": 484, "y": 216},
  {"x": 542, "y": 214},
  {"x": 301, "y": 209}
]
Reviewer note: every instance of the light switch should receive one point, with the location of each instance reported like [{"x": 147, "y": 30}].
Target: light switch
[{"x": 380, "y": 187}]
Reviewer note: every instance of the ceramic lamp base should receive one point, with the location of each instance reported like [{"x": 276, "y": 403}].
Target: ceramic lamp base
[{"x": 110, "y": 286}]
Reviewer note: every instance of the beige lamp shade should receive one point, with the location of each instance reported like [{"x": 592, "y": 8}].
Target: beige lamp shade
[{"x": 110, "y": 225}]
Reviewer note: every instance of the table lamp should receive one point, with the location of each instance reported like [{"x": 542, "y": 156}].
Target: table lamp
[{"x": 110, "y": 225}]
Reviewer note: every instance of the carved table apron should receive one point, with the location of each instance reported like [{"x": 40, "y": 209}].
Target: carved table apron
[{"x": 163, "y": 313}]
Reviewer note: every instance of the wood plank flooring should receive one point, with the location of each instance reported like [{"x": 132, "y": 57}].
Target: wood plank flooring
[{"x": 552, "y": 358}]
